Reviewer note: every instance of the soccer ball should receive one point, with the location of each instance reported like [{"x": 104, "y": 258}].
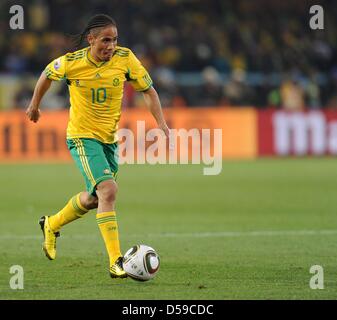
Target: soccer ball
[{"x": 141, "y": 262}]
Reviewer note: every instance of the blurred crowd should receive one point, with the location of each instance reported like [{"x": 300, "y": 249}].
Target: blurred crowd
[{"x": 200, "y": 53}]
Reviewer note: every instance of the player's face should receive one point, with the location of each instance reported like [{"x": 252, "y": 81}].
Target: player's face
[{"x": 104, "y": 43}]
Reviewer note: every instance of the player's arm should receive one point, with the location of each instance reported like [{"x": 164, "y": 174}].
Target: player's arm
[
  {"x": 55, "y": 71},
  {"x": 152, "y": 100},
  {"x": 41, "y": 87},
  {"x": 142, "y": 82}
]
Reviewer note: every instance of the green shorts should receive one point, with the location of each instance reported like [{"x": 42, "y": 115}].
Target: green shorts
[{"x": 96, "y": 160}]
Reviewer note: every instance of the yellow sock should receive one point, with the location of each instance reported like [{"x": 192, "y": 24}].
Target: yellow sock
[
  {"x": 72, "y": 211},
  {"x": 107, "y": 223}
]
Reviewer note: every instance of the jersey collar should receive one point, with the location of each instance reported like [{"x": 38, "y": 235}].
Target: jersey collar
[{"x": 92, "y": 60}]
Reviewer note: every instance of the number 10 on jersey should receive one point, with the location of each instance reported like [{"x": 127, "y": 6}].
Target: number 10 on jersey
[{"x": 98, "y": 95}]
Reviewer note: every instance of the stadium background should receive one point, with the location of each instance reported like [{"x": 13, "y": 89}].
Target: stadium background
[
  {"x": 254, "y": 69},
  {"x": 227, "y": 58}
]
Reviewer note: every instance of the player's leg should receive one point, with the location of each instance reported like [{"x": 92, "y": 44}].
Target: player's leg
[
  {"x": 106, "y": 219},
  {"x": 106, "y": 213},
  {"x": 93, "y": 159},
  {"x": 76, "y": 207},
  {"x": 82, "y": 151}
]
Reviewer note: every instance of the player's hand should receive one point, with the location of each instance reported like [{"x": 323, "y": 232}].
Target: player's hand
[
  {"x": 33, "y": 113},
  {"x": 165, "y": 129},
  {"x": 169, "y": 135}
]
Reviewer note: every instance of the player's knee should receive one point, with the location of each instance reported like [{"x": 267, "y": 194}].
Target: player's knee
[
  {"x": 107, "y": 191},
  {"x": 88, "y": 201},
  {"x": 92, "y": 203}
]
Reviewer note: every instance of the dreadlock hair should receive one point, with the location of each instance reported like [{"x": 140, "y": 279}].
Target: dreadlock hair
[{"x": 96, "y": 21}]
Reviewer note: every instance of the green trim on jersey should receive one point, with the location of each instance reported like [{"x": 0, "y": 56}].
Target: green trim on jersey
[
  {"x": 92, "y": 62},
  {"x": 49, "y": 73},
  {"x": 76, "y": 55},
  {"x": 121, "y": 53},
  {"x": 147, "y": 79}
]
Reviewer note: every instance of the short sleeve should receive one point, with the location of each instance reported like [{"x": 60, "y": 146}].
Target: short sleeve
[
  {"x": 137, "y": 74},
  {"x": 56, "y": 70}
]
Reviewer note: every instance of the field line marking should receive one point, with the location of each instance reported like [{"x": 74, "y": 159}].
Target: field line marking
[
  {"x": 224, "y": 234},
  {"x": 259, "y": 233}
]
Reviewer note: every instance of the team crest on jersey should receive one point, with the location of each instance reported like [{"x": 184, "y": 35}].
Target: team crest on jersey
[
  {"x": 57, "y": 64},
  {"x": 106, "y": 171},
  {"x": 115, "y": 82},
  {"x": 97, "y": 76},
  {"x": 77, "y": 82}
]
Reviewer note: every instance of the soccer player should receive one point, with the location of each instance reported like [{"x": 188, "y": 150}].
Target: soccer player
[{"x": 95, "y": 76}]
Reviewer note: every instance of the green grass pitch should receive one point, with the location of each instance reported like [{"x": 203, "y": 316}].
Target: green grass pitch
[{"x": 252, "y": 232}]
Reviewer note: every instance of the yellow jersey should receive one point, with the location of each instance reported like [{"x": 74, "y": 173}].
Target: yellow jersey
[{"x": 96, "y": 90}]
